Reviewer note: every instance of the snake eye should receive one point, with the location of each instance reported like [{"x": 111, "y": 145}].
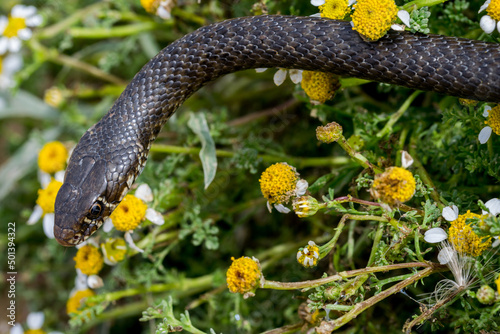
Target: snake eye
[{"x": 95, "y": 210}]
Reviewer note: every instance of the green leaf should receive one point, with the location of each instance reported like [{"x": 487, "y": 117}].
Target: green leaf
[{"x": 198, "y": 123}]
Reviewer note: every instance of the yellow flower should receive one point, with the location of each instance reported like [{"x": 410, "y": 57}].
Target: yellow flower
[
  {"x": 493, "y": 10},
  {"x": 395, "y": 185},
  {"x": 335, "y": 9},
  {"x": 47, "y": 197},
  {"x": 77, "y": 300},
  {"x": 492, "y": 123},
  {"x": 129, "y": 213},
  {"x": 319, "y": 86},
  {"x": 53, "y": 97},
  {"x": 52, "y": 157},
  {"x": 278, "y": 183},
  {"x": 463, "y": 237},
  {"x": 373, "y": 18},
  {"x": 162, "y": 8},
  {"x": 497, "y": 282},
  {"x": 243, "y": 275},
  {"x": 16, "y": 27},
  {"x": 114, "y": 250},
  {"x": 89, "y": 260},
  {"x": 308, "y": 256}
]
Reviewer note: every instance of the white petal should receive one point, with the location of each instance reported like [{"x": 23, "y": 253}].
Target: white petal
[
  {"x": 435, "y": 235},
  {"x": 446, "y": 255},
  {"x": 44, "y": 178},
  {"x": 163, "y": 13},
  {"x": 35, "y": 320},
  {"x": 80, "y": 280},
  {"x": 404, "y": 16},
  {"x": 299, "y": 254},
  {"x": 281, "y": 208},
  {"x": 279, "y": 76},
  {"x": 498, "y": 26},
  {"x": 144, "y": 192},
  {"x": 406, "y": 159},
  {"x": 295, "y": 75},
  {"x": 301, "y": 187},
  {"x": 450, "y": 213},
  {"x": 24, "y": 34},
  {"x": 4, "y": 21},
  {"x": 260, "y": 70},
  {"x": 493, "y": 205},
  {"x": 35, "y": 215},
  {"x": 14, "y": 44},
  {"x": 487, "y": 24},
  {"x": 12, "y": 63},
  {"x": 108, "y": 225},
  {"x": 17, "y": 329},
  {"x": 130, "y": 241},
  {"x": 4, "y": 45},
  {"x": 59, "y": 176},
  {"x": 315, "y": 15},
  {"x": 269, "y": 207},
  {"x": 311, "y": 243},
  {"x": 486, "y": 111},
  {"x": 48, "y": 225},
  {"x": 317, "y": 2},
  {"x": 398, "y": 27},
  {"x": 154, "y": 216},
  {"x": 352, "y": 2},
  {"x": 496, "y": 242},
  {"x": 34, "y": 21},
  {"x": 484, "y": 135},
  {"x": 484, "y": 6},
  {"x": 95, "y": 282}
]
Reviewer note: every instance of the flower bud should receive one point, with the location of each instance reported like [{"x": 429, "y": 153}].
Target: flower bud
[
  {"x": 329, "y": 133},
  {"x": 485, "y": 295}
]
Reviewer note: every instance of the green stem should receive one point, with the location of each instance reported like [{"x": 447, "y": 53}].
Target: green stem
[
  {"x": 387, "y": 129},
  {"x": 358, "y": 157},
  {"x": 298, "y": 162},
  {"x": 421, "y": 3},
  {"x": 376, "y": 241},
  {"x": 326, "y": 248},
  {"x": 118, "y": 31},
  {"x": 345, "y": 274}
]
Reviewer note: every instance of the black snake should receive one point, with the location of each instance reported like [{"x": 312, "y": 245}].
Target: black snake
[{"x": 112, "y": 153}]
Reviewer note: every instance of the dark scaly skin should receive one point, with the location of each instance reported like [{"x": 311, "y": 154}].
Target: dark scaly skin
[{"x": 112, "y": 153}]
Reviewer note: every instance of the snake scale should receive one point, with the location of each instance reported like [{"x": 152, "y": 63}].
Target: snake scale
[{"x": 112, "y": 153}]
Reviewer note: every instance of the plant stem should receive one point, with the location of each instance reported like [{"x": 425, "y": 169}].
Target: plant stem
[
  {"x": 114, "y": 32},
  {"x": 387, "y": 129},
  {"x": 298, "y": 162},
  {"x": 345, "y": 274},
  {"x": 421, "y": 3},
  {"x": 285, "y": 329},
  {"x": 358, "y": 157},
  {"x": 376, "y": 241}
]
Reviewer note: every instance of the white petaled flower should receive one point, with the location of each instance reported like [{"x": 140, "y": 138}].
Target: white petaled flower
[
  {"x": 437, "y": 234},
  {"x": 16, "y": 27},
  {"x": 404, "y": 16},
  {"x": 493, "y": 206},
  {"x": 34, "y": 322},
  {"x": 280, "y": 75},
  {"x": 485, "y": 133},
  {"x": 450, "y": 213},
  {"x": 9, "y": 65},
  {"x": 491, "y": 21}
]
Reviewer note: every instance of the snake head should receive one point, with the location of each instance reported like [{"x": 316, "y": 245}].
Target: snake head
[{"x": 81, "y": 206}]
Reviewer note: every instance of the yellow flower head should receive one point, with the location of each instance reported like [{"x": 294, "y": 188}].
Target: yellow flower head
[
  {"x": 467, "y": 102},
  {"x": 493, "y": 120},
  {"x": 14, "y": 25},
  {"x": 278, "y": 183},
  {"x": 329, "y": 133},
  {"x": 243, "y": 275},
  {"x": 497, "y": 282},
  {"x": 53, "y": 97},
  {"x": 319, "y": 86},
  {"x": 150, "y": 5},
  {"x": 89, "y": 260},
  {"x": 395, "y": 185},
  {"x": 52, "y": 157},
  {"x": 308, "y": 256},
  {"x": 463, "y": 237},
  {"x": 493, "y": 10},
  {"x": 373, "y": 18},
  {"x": 129, "y": 213},
  {"x": 114, "y": 250},
  {"x": 34, "y": 331},
  {"x": 335, "y": 9},
  {"x": 47, "y": 197},
  {"x": 77, "y": 300}
]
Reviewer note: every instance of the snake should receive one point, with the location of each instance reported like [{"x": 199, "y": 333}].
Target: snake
[{"x": 112, "y": 153}]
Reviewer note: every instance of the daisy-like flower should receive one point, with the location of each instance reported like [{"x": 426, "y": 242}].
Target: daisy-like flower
[
  {"x": 34, "y": 322},
  {"x": 309, "y": 255},
  {"x": 77, "y": 300},
  {"x": 16, "y": 27},
  {"x": 319, "y": 86},
  {"x": 244, "y": 275},
  {"x": 333, "y": 9},
  {"x": 9, "y": 65},
  {"x": 305, "y": 206},
  {"x": 161, "y": 8},
  {"x": 89, "y": 259},
  {"x": 492, "y": 20},
  {"x": 280, "y": 75},
  {"x": 113, "y": 250},
  {"x": 131, "y": 212},
  {"x": 54, "y": 97},
  {"x": 329, "y": 133},
  {"x": 52, "y": 157},
  {"x": 395, "y": 185},
  {"x": 45, "y": 207},
  {"x": 373, "y": 18},
  {"x": 279, "y": 183},
  {"x": 492, "y": 123}
]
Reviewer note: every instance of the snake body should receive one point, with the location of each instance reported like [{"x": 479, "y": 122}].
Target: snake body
[{"x": 112, "y": 153}]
